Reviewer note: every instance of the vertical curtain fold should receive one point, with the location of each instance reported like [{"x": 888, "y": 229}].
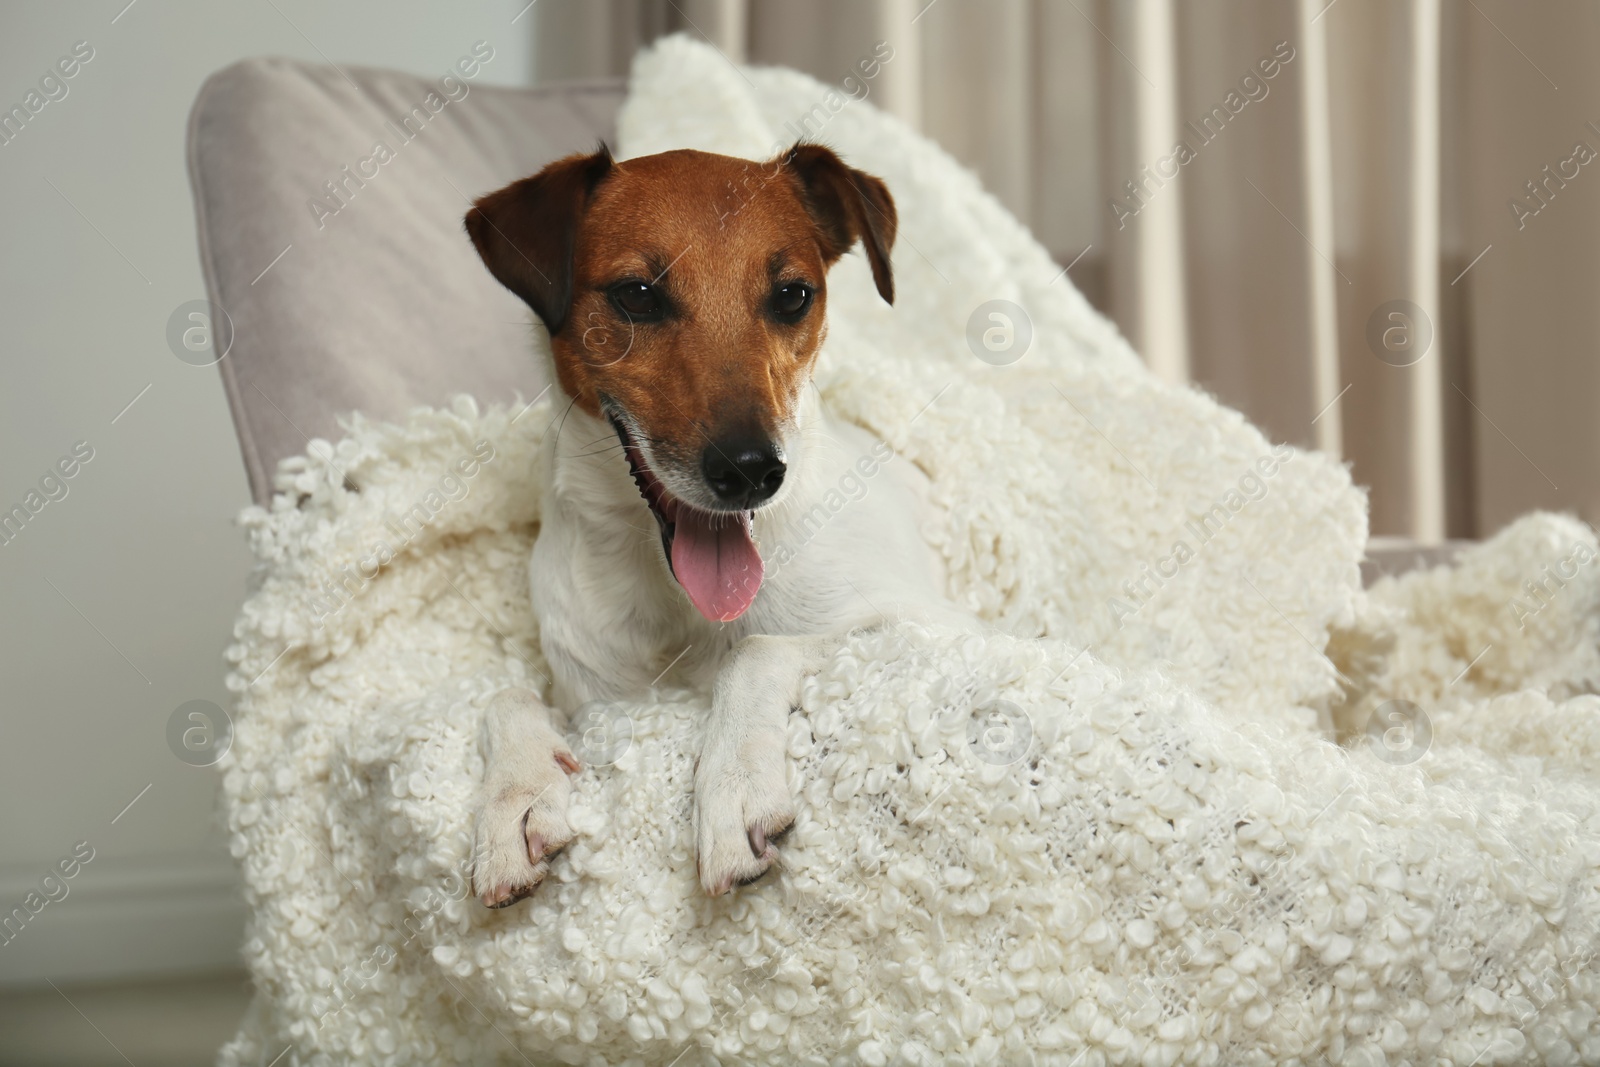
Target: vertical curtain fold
[
  {"x": 1426, "y": 445},
  {"x": 1148, "y": 292},
  {"x": 1317, "y": 173}
]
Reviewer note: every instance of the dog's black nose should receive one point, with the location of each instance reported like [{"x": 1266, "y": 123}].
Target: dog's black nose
[{"x": 742, "y": 473}]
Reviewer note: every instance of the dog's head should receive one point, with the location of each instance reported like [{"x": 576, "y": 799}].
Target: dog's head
[{"x": 685, "y": 295}]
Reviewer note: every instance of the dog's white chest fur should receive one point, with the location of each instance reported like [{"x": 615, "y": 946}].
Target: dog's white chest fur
[{"x": 841, "y": 547}]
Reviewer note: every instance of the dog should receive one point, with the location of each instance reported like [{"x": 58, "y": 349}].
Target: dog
[{"x": 685, "y": 296}]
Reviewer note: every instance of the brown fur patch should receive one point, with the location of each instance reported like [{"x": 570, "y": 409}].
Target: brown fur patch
[{"x": 713, "y": 236}]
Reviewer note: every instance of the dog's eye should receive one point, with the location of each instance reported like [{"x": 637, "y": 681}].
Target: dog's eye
[
  {"x": 638, "y": 302},
  {"x": 789, "y": 302}
]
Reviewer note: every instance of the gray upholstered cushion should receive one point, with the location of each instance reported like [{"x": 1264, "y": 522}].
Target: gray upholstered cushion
[{"x": 381, "y": 304}]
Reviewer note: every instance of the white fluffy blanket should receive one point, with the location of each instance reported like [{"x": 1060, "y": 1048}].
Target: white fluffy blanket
[{"x": 1105, "y": 829}]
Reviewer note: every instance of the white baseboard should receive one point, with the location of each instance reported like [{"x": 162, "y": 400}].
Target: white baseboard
[{"x": 123, "y": 918}]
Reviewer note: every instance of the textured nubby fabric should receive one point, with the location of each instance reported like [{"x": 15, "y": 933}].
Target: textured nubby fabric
[{"x": 1104, "y": 827}]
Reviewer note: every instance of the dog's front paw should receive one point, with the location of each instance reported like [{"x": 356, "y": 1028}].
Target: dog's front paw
[
  {"x": 519, "y": 829},
  {"x": 742, "y": 806},
  {"x": 522, "y": 818}
]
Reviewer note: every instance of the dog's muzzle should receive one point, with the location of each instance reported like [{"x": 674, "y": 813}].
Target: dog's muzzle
[{"x": 712, "y": 554}]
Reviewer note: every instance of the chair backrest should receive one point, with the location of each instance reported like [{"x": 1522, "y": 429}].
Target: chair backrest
[{"x": 329, "y": 205}]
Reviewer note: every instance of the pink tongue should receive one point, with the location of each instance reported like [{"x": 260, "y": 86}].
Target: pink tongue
[{"x": 718, "y": 567}]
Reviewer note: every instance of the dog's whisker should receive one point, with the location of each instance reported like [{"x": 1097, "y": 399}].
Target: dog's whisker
[
  {"x": 649, "y": 439},
  {"x": 611, "y": 437},
  {"x": 608, "y": 450},
  {"x": 556, "y": 442}
]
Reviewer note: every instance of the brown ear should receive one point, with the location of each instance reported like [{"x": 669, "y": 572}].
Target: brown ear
[
  {"x": 526, "y": 232},
  {"x": 846, "y": 204}
]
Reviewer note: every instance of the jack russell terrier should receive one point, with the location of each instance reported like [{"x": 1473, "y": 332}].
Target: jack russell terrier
[{"x": 685, "y": 294}]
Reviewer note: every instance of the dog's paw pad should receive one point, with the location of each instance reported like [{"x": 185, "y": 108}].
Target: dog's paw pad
[
  {"x": 742, "y": 808},
  {"x": 503, "y": 896},
  {"x": 517, "y": 834},
  {"x": 741, "y": 858}
]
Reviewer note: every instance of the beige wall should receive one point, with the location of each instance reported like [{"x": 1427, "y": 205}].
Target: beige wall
[{"x": 143, "y": 551}]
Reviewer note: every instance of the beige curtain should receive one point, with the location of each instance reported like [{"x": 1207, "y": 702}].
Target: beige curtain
[{"x": 1368, "y": 224}]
